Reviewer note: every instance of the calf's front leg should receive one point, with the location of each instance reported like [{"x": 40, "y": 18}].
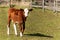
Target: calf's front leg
[{"x": 15, "y": 29}]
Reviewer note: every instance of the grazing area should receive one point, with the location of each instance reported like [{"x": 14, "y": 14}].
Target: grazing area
[{"x": 39, "y": 26}]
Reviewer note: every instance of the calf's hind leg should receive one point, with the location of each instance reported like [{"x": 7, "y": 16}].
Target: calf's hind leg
[{"x": 8, "y": 26}]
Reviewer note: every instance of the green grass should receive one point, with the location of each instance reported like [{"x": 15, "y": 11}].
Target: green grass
[{"x": 39, "y": 26}]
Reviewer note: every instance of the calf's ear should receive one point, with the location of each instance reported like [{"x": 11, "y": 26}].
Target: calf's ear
[{"x": 30, "y": 9}]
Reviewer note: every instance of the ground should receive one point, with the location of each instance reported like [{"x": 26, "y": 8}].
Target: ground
[{"x": 39, "y": 26}]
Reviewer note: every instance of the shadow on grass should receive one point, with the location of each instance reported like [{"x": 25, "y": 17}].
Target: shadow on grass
[{"x": 39, "y": 35}]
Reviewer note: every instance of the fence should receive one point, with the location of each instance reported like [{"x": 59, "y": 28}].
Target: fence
[
  {"x": 15, "y": 2},
  {"x": 52, "y": 5}
]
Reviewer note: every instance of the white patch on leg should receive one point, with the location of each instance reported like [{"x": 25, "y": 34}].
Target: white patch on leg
[
  {"x": 21, "y": 34},
  {"x": 8, "y": 30},
  {"x": 26, "y": 12},
  {"x": 15, "y": 29}
]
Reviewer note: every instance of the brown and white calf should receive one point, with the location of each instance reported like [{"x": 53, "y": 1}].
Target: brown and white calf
[{"x": 17, "y": 16}]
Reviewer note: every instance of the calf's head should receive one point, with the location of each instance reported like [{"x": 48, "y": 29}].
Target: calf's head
[{"x": 26, "y": 11}]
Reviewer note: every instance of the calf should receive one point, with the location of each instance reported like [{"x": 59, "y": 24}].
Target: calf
[{"x": 17, "y": 16}]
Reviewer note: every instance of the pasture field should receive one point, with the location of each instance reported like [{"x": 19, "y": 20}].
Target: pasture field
[{"x": 39, "y": 26}]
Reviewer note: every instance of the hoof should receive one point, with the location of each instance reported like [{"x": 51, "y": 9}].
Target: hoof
[
  {"x": 21, "y": 34},
  {"x": 8, "y": 34}
]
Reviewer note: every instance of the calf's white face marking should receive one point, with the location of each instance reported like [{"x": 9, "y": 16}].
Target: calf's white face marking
[{"x": 26, "y": 12}]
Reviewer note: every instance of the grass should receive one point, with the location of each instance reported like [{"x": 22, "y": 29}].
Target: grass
[{"x": 39, "y": 26}]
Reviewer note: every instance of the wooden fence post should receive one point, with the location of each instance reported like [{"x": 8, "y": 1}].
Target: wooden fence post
[{"x": 43, "y": 5}]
